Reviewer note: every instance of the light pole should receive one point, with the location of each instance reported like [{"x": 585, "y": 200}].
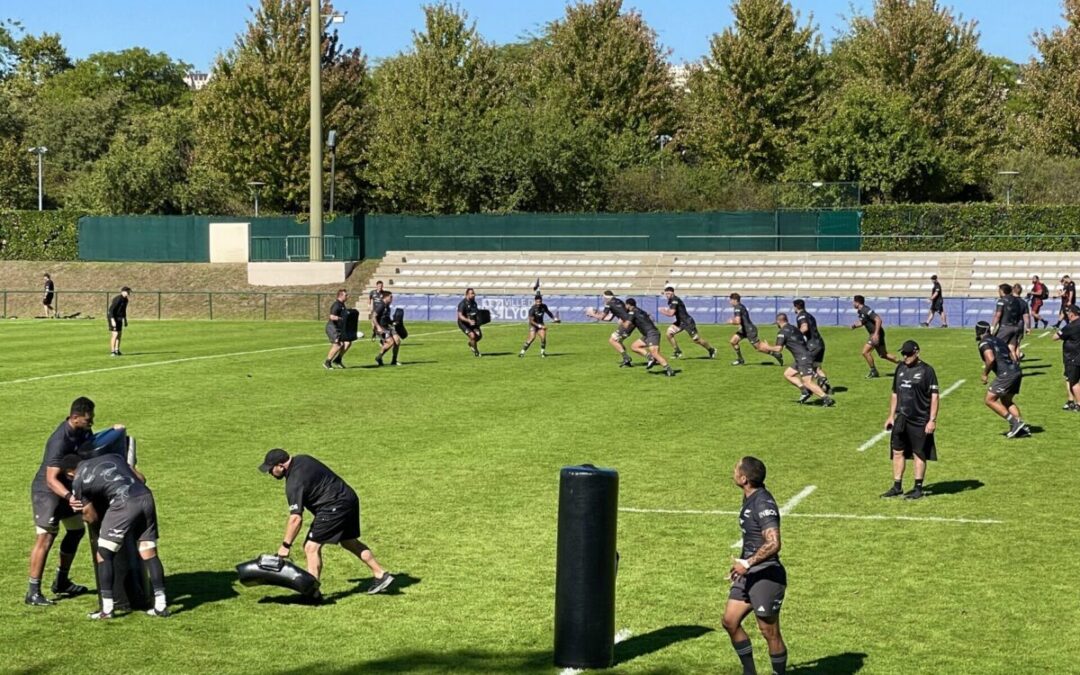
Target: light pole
[
  {"x": 256, "y": 186},
  {"x": 40, "y": 152},
  {"x": 331, "y": 143},
  {"x": 315, "y": 30},
  {"x": 1009, "y": 176}
]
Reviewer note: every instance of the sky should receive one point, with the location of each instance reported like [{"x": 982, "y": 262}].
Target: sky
[{"x": 195, "y": 31}]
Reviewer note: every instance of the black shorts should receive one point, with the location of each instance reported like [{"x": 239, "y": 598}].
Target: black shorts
[
  {"x": 652, "y": 338},
  {"x": 1010, "y": 334},
  {"x": 466, "y": 329},
  {"x": 47, "y": 300},
  {"x": 1006, "y": 385},
  {"x": 804, "y": 366},
  {"x": 764, "y": 589},
  {"x": 49, "y": 509},
  {"x": 337, "y": 524},
  {"x": 749, "y": 334},
  {"x": 536, "y": 329},
  {"x": 937, "y": 306},
  {"x": 817, "y": 351},
  {"x": 1072, "y": 374},
  {"x": 137, "y": 516},
  {"x": 387, "y": 334},
  {"x": 912, "y": 440},
  {"x": 333, "y": 333},
  {"x": 119, "y": 326},
  {"x": 690, "y": 327},
  {"x": 880, "y": 346}
]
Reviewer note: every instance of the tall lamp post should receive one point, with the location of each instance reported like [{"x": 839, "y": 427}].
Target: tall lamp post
[
  {"x": 331, "y": 143},
  {"x": 1009, "y": 177},
  {"x": 315, "y": 31},
  {"x": 256, "y": 186},
  {"x": 40, "y": 152}
]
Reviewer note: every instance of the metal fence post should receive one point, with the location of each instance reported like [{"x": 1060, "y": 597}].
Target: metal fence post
[
  {"x": 264, "y": 306},
  {"x": 5, "y": 304},
  {"x": 159, "y": 305},
  {"x": 210, "y": 301}
]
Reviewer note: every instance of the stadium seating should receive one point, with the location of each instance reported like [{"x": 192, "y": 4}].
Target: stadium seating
[{"x": 751, "y": 273}]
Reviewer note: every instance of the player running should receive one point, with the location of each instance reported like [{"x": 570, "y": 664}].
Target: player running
[
  {"x": 468, "y": 320},
  {"x": 807, "y": 325},
  {"x": 648, "y": 345},
  {"x": 683, "y": 322},
  {"x": 801, "y": 372},
  {"x": 536, "y": 326},
  {"x": 747, "y": 331},
  {"x": 386, "y": 331},
  {"x": 997, "y": 357},
  {"x": 870, "y": 320},
  {"x": 615, "y": 308}
]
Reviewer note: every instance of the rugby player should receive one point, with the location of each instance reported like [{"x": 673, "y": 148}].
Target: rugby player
[
  {"x": 373, "y": 300},
  {"x": 536, "y": 326},
  {"x": 1069, "y": 335},
  {"x": 996, "y": 357},
  {"x": 801, "y": 372},
  {"x": 615, "y": 308},
  {"x": 747, "y": 331},
  {"x": 117, "y": 316},
  {"x": 47, "y": 298},
  {"x": 468, "y": 320},
  {"x": 648, "y": 345},
  {"x": 115, "y": 498},
  {"x": 758, "y": 578},
  {"x": 913, "y": 412},
  {"x": 937, "y": 304},
  {"x": 870, "y": 320},
  {"x": 1068, "y": 299},
  {"x": 1025, "y": 308},
  {"x": 1007, "y": 323},
  {"x": 683, "y": 322},
  {"x": 335, "y": 330},
  {"x": 386, "y": 331},
  {"x": 311, "y": 485},
  {"x": 1039, "y": 293},
  {"x": 807, "y": 325}
]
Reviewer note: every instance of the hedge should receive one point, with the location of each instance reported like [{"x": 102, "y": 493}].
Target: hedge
[
  {"x": 970, "y": 227},
  {"x": 39, "y": 235}
]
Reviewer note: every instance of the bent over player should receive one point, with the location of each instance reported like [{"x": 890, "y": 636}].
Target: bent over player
[
  {"x": 758, "y": 578},
  {"x": 683, "y": 322},
  {"x": 615, "y": 308},
  {"x": 648, "y": 345},
  {"x": 536, "y": 326}
]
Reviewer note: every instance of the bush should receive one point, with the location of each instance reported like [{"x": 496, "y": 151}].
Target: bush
[
  {"x": 970, "y": 227},
  {"x": 39, "y": 235}
]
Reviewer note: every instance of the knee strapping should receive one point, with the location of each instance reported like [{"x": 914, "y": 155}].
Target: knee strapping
[{"x": 106, "y": 545}]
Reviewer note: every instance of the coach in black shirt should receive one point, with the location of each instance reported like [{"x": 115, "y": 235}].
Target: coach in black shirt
[
  {"x": 1070, "y": 353},
  {"x": 118, "y": 318},
  {"x": 311, "y": 485},
  {"x": 913, "y": 412}
]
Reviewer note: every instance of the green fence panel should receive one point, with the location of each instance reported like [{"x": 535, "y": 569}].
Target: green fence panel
[{"x": 145, "y": 238}]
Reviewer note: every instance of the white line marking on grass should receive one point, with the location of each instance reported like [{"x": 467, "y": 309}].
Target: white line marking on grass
[
  {"x": 825, "y": 516},
  {"x": 872, "y": 441},
  {"x": 188, "y": 359},
  {"x": 1042, "y": 335},
  {"x": 788, "y": 506},
  {"x": 623, "y": 635},
  {"x": 1024, "y": 345}
]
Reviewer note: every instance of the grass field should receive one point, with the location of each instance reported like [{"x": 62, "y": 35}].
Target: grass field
[{"x": 456, "y": 461}]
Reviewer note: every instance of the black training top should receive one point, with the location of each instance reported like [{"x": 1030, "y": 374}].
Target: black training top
[
  {"x": 617, "y": 309},
  {"x": 1070, "y": 343},
  {"x": 385, "y": 316},
  {"x": 537, "y": 312},
  {"x": 63, "y": 441},
  {"x": 1012, "y": 312},
  {"x": 118, "y": 307},
  {"x": 1068, "y": 295},
  {"x": 339, "y": 310},
  {"x": 790, "y": 337},
  {"x": 1003, "y": 361},
  {"x": 682, "y": 316},
  {"x": 642, "y": 321},
  {"x": 468, "y": 309},
  {"x": 311, "y": 485},
  {"x": 936, "y": 291},
  {"x": 376, "y": 301},
  {"x": 744, "y": 316},
  {"x": 868, "y": 317},
  {"x": 49, "y": 287},
  {"x": 759, "y": 513},
  {"x": 1025, "y": 308},
  {"x": 806, "y": 318},
  {"x": 914, "y": 386},
  {"x": 107, "y": 481}
]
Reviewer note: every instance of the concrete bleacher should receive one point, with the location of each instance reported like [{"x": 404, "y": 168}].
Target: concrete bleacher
[{"x": 793, "y": 273}]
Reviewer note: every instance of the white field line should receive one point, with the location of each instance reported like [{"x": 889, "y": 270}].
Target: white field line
[
  {"x": 788, "y": 506},
  {"x": 188, "y": 359},
  {"x": 1042, "y": 335},
  {"x": 825, "y": 516},
  {"x": 1024, "y": 345},
  {"x": 872, "y": 441}
]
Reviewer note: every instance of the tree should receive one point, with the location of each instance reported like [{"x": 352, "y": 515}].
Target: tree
[
  {"x": 1053, "y": 86},
  {"x": 252, "y": 119},
  {"x": 920, "y": 50},
  {"x": 751, "y": 99}
]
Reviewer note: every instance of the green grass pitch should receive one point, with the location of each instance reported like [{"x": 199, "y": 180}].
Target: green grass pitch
[{"x": 456, "y": 462}]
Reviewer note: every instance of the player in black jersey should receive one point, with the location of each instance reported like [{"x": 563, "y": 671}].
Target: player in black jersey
[
  {"x": 801, "y": 372},
  {"x": 1069, "y": 336},
  {"x": 468, "y": 320},
  {"x": 747, "y": 331},
  {"x": 311, "y": 485},
  {"x": 1025, "y": 309},
  {"x": 758, "y": 578},
  {"x": 374, "y": 300},
  {"x": 1068, "y": 299},
  {"x": 937, "y": 304},
  {"x": 335, "y": 331},
  {"x": 1008, "y": 321},
  {"x": 648, "y": 345},
  {"x": 683, "y": 322},
  {"x": 615, "y": 309},
  {"x": 386, "y": 331},
  {"x": 117, "y": 317},
  {"x": 47, "y": 298},
  {"x": 913, "y": 411},
  {"x": 869, "y": 319},
  {"x": 996, "y": 357},
  {"x": 807, "y": 325},
  {"x": 536, "y": 325}
]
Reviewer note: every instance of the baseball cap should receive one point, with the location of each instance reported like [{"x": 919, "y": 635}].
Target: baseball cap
[
  {"x": 909, "y": 348},
  {"x": 274, "y": 456},
  {"x": 1072, "y": 309}
]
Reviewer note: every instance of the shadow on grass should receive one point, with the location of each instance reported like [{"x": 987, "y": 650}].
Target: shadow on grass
[
  {"x": 457, "y": 661},
  {"x": 189, "y": 590},
  {"x": 1027, "y": 375},
  {"x": 847, "y": 663},
  {"x": 654, "y": 641},
  {"x": 402, "y": 580},
  {"x": 839, "y": 390},
  {"x": 952, "y": 487}
]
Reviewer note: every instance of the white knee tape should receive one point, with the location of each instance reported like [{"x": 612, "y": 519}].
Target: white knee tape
[
  {"x": 147, "y": 545},
  {"x": 108, "y": 545},
  {"x": 42, "y": 530}
]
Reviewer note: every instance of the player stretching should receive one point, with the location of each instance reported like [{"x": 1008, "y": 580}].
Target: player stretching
[
  {"x": 537, "y": 327},
  {"x": 614, "y": 308},
  {"x": 747, "y": 331},
  {"x": 683, "y": 322},
  {"x": 876, "y": 328},
  {"x": 648, "y": 345}
]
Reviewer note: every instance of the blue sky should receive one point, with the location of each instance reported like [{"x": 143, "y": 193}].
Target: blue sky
[{"x": 195, "y": 31}]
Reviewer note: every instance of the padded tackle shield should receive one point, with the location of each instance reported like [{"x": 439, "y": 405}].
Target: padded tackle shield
[
  {"x": 110, "y": 441},
  {"x": 352, "y": 323},
  {"x": 274, "y": 571},
  {"x": 586, "y": 563},
  {"x": 399, "y": 323},
  {"x": 483, "y": 317}
]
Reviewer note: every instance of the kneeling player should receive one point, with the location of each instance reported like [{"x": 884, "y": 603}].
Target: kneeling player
[
  {"x": 648, "y": 345},
  {"x": 758, "y": 578},
  {"x": 869, "y": 319},
  {"x": 801, "y": 373},
  {"x": 683, "y": 322},
  {"x": 536, "y": 326},
  {"x": 385, "y": 330},
  {"x": 747, "y": 331},
  {"x": 109, "y": 483},
  {"x": 997, "y": 357},
  {"x": 615, "y": 308}
]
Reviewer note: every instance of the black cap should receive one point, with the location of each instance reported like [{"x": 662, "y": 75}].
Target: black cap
[
  {"x": 909, "y": 348},
  {"x": 273, "y": 457},
  {"x": 125, "y": 288},
  {"x": 1072, "y": 309}
]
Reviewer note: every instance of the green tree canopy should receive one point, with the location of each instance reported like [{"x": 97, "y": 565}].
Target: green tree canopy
[{"x": 1053, "y": 87}]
